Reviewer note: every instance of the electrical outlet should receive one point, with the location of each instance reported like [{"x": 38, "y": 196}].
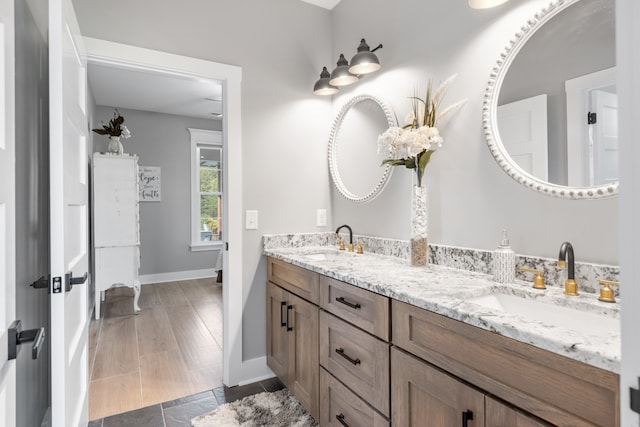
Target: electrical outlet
[
  {"x": 251, "y": 220},
  {"x": 321, "y": 218}
]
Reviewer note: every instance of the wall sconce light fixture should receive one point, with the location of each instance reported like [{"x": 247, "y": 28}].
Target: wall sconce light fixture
[
  {"x": 322, "y": 86},
  {"x": 341, "y": 76},
  {"x": 485, "y": 4},
  {"x": 363, "y": 62}
]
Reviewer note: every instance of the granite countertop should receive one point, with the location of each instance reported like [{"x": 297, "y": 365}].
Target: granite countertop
[{"x": 446, "y": 291}]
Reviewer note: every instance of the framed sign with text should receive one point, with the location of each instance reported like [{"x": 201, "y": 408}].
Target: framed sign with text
[{"x": 149, "y": 183}]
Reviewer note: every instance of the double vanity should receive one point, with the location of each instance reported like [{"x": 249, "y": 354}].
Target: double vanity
[{"x": 367, "y": 340}]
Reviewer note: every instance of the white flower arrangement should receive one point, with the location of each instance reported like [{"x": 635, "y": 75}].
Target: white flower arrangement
[
  {"x": 413, "y": 144},
  {"x": 126, "y": 133}
]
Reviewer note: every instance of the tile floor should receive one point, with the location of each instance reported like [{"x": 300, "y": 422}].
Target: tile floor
[{"x": 179, "y": 412}]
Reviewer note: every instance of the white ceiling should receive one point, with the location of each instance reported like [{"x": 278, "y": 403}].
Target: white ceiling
[
  {"x": 156, "y": 92},
  {"x": 327, "y": 4}
]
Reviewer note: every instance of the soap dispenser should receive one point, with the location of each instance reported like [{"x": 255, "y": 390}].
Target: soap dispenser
[{"x": 504, "y": 261}]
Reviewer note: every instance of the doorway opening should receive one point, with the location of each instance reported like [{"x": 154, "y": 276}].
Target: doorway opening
[{"x": 140, "y": 60}]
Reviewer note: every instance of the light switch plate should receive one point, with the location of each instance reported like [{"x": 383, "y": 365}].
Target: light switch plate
[
  {"x": 321, "y": 218},
  {"x": 251, "y": 220}
]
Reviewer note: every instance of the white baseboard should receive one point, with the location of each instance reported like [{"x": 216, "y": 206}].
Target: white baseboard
[
  {"x": 254, "y": 370},
  {"x": 146, "y": 279}
]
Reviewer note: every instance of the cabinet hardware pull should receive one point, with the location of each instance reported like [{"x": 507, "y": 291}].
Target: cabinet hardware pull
[
  {"x": 283, "y": 323},
  {"x": 340, "y": 419},
  {"x": 347, "y": 303},
  {"x": 340, "y": 351},
  {"x": 466, "y": 416},
  {"x": 289, "y": 328}
]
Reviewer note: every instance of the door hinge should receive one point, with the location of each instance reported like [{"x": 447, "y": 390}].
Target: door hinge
[
  {"x": 635, "y": 398},
  {"x": 592, "y": 118},
  {"x": 226, "y": 246}
]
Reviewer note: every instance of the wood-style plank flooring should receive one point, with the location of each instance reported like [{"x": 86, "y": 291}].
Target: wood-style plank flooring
[{"x": 171, "y": 349}]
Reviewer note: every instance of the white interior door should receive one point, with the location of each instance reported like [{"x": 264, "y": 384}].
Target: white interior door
[
  {"x": 7, "y": 215},
  {"x": 523, "y": 130},
  {"x": 69, "y": 217},
  {"x": 580, "y": 165},
  {"x": 605, "y": 137}
]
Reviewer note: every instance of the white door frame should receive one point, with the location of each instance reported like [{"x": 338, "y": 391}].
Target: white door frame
[
  {"x": 7, "y": 211},
  {"x": 628, "y": 63},
  {"x": 131, "y": 57}
]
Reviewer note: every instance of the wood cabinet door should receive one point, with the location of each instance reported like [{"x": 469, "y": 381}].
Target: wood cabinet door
[
  {"x": 499, "y": 415},
  {"x": 425, "y": 396},
  {"x": 277, "y": 336},
  {"x": 304, "y": 367}
]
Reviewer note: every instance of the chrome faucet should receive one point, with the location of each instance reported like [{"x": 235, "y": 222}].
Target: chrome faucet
[
  {"x": 350, "y": 236},
  {"x": 566, "y": 259}
]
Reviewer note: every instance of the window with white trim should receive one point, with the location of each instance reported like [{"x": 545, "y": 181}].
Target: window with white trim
[{"x": 206, "y": 189}]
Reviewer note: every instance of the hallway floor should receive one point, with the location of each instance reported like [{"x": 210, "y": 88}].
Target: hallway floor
[
  {"x": 171, "y": 349},
  {"x": 179, "y": 412}
]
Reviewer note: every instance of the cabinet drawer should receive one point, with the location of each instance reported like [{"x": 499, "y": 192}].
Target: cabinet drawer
[
  {"x": 297, "y": 280},
  {"x": 359, "y": 360},
  {"x": 557, "y": 389},
  {"x": 338, "y": 402},
  {"x": 361, "y": 307}
]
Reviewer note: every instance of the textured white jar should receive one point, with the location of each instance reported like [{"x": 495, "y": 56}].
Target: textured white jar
[{"x": 504, "y": 262}]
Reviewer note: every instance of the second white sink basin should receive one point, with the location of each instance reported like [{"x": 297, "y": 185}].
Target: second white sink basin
[
  {"x": 549, "y": 313},
  {"x": 329, "y": 255}
]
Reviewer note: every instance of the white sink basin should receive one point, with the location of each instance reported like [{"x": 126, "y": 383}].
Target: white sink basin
[
  {"x": 329, "y": 255},
  {"x": 551, "y": 314}
]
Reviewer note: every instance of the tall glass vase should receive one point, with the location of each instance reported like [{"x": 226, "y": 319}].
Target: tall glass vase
[{"x": 418, "y": 246}]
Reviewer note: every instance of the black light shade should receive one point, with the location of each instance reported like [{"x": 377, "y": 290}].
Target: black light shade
[
  {"x": 365, "y": 61},
  {"x": 341, "y": 75},
  {"x": 322, "y": 86}
]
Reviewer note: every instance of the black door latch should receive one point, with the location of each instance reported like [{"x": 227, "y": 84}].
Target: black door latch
[
  {"x": 635, "y": 398},
  {"x": 69, "y": 280},
  {"x": 17, "y": 336},
  {"x": 42, "y": 283}
]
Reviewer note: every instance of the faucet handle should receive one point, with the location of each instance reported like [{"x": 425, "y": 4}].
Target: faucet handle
[
  {"x": 360, "y": 248},
  {"x": 341, "y": 243},
  {"x": 538, "y": 281},
  {"x": 606, "y": 293}
]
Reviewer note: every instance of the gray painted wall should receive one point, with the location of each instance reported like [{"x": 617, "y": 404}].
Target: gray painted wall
[
  {"x": 32, "y": 206},
  {"x": 163, "y": 140},
  {"x": 470, "y": 198},
  {"x": 285, "y": 128},
  {"x": 281, "y": 46}
]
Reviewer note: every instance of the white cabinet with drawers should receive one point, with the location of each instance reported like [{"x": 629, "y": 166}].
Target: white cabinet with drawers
[{"x": 116, "y": 229}]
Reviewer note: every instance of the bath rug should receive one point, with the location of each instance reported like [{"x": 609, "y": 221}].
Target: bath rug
[{"x": 274, "y": 409}]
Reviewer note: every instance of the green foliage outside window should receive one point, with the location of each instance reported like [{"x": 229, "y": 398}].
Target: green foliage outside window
[{"x": 210, "y": 203}]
